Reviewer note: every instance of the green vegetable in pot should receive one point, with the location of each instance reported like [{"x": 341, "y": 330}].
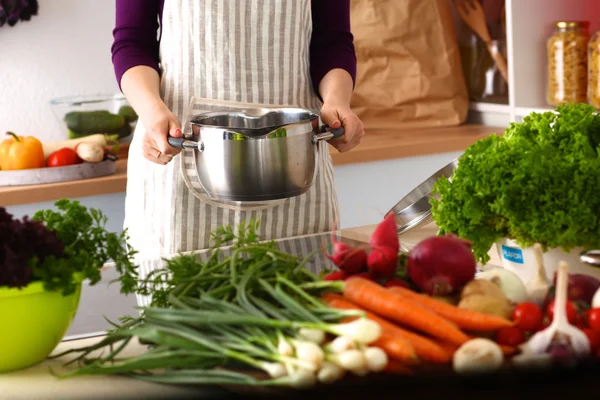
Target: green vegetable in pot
[{"x": 537, "y": 183}]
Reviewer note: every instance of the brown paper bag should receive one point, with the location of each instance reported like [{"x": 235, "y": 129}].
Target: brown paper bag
[{"x": 409, "y": 71}]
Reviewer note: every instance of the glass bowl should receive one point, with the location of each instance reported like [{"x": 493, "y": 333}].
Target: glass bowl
[{"x": 84, "y": 115}]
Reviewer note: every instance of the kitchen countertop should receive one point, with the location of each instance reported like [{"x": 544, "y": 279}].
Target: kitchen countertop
[
  {"x": 375, "y": 146},
  {"x": 37, "y": 383}
]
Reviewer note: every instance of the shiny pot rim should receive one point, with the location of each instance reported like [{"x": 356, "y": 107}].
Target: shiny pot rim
[{"x": 255, "y": 122}]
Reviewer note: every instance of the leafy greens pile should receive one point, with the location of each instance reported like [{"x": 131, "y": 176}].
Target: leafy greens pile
[
  {"x": 55, "y": 245},
  {"x": 540, "y": 182}
]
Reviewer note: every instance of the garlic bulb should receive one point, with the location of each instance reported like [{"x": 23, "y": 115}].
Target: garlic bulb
[
  {"x": 477, "y": 356},
  {"x": 560, "y": 330},
  {"x": 596, "y": 299},
  {"x": 538, "y": 286}
]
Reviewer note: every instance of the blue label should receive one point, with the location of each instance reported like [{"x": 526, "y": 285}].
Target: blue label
[{"x": 513, "y": 255}]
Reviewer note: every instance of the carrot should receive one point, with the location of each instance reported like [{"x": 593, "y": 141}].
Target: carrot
[
  {"x": 449, "y": 348},
  {"x": 425, "y": 348},
  {"x": 395, "y": 346},
  {"x": 390, "y": 305},
  {"x": 396, "y": 368},
  {"x": 465, "y": 319}
]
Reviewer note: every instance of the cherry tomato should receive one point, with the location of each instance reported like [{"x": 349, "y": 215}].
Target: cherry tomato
[
  {"x": 571, "y": 312},
  {"x": 581, "y": 322},
  {"x": 593, "y": 337},
  {"x": 528, "y": 316},
  {"x": 543, "y": 326},
  {"x": 63, "y": 157},
  {"x": 593, "y": 317},
  {"x": 510, "y": 336}
]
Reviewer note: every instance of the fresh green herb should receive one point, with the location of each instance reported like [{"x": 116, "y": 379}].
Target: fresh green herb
[
  {"x": 87, "y": 247},
  {"x": 246, "y": 309},
  {"x": 537, "y": 183}
]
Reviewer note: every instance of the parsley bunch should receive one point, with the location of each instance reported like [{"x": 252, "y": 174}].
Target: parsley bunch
[
  {"x": 540, "y": 182},
  {"x": 55, "y": 246}
]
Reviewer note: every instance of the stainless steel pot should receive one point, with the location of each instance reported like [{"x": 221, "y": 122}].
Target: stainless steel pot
[{"x": 256, "y": 154}]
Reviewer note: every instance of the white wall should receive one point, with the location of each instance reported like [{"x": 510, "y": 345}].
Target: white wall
[{"x": 63, "y": 51}]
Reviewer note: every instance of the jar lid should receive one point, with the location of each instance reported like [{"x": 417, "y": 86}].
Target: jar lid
[{"x": 572, "y": 24}]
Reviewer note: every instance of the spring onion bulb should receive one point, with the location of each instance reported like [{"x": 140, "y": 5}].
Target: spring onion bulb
[
  {"x": 302, "y": 378},
  {"x": 340, "y": 344},
  {"x": 309, "y": 351},
  {"x": 329, "y": 372},
  {"x": 375, "y": 358},
  {"x": 362, "y": 330},
  {"x": 312, "y": 335},
  {"x": 275, "y": 370},
  {"x": 352, "y": 360}
]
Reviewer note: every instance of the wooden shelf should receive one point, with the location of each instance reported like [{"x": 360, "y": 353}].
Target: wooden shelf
[{"x": 376, "y": 146}]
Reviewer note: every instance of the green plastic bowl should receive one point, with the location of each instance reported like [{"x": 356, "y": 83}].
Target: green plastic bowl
[{"x": 32, "y": 323}]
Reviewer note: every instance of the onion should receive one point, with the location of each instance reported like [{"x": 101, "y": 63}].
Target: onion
[
  {"x": 582, "y": 288},
  {"x": 441, "y": 265},
  {"x": 511, "y": 285}
]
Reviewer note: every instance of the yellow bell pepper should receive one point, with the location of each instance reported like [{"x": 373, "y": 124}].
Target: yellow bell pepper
[{"x": 20, "y": 152}]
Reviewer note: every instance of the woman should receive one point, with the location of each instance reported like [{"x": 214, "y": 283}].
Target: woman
[{"x": 279, "y": 52}]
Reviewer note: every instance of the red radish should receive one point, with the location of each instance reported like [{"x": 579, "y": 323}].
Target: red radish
[
  {"x": 397, "y": 282},
  {"x": 335, "y": 276},
  {"x": 346, "y": 258},
  {"x": 364, "y": 275},
  {"x": 383, "y": 262},
  {"x": 386, "y": 234},
  {"x": 441, "y": 265}
]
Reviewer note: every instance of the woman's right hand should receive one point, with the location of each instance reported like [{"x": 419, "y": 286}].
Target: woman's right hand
[{"x": 159, "y": 122}]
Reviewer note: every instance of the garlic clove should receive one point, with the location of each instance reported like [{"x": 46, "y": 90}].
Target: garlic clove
[
  {"x": 560, "y": 330},
  {"x": 538, "y": 287}
]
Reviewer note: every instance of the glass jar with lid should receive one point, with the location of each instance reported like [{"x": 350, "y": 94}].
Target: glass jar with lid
[
  {"x": 567, "y": 63},
  {"x": 593, "y": 96}
]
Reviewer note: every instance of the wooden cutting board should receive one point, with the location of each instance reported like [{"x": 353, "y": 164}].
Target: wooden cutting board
[{"x": 40, "y": 176}]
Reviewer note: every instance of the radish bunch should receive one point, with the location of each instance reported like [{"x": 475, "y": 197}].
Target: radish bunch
[{"x": 378, "y": 261}]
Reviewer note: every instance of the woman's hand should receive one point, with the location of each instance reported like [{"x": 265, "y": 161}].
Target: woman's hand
[
  {"x": 336, "y": 91},
  {"x": 141, "y": 86},
  {"x": 158, "y": 123},
  {"x": 335, "y": 116}
]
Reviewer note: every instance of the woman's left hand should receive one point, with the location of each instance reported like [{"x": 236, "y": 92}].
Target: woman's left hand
[{"x": 335, "y": 116}]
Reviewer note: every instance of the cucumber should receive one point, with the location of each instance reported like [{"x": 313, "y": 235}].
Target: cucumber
[
  {"x": 90, "y": 122},
  {"x": 128, "y": 113}
]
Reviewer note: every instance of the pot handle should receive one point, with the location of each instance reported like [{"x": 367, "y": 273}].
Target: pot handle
[
  {"x": 591, "y": 257},
  {"x": 327, "y": 134},
  {"x": 183, "y": 143}
]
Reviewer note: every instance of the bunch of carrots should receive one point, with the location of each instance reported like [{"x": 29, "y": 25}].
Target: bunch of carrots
[{"x": 416, "y": 328}]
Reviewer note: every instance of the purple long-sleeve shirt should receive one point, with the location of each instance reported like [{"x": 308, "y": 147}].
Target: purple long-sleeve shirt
[{"x": 136, "y": 39}]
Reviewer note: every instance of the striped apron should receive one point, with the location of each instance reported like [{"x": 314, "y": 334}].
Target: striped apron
[{"x": 223, "y": 54}]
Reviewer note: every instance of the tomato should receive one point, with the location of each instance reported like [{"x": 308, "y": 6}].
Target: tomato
[
  {"x": 593, "y": 319},
  {"x": 571, "y": 312},
  {"x": 510, "y": 336},
  {"x": 63, "y": 157},
  {"x": 543, "y": 326},
  {"x": 593, "y": 337},
  {"x": 581, "y": 322},
  {"x": 528, "y": 316}
]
